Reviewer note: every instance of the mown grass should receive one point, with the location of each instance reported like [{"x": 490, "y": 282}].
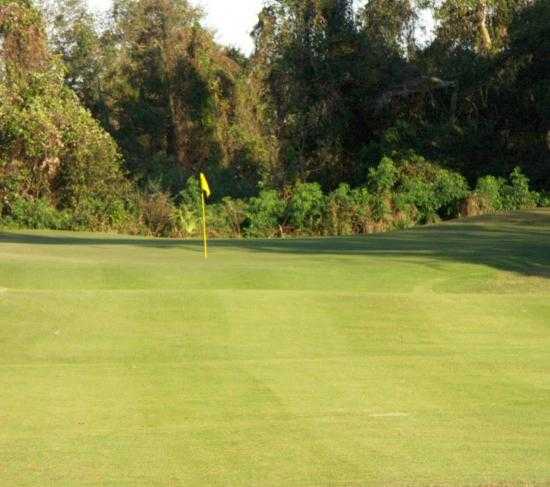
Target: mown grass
[{"x": 411, "y": 358}]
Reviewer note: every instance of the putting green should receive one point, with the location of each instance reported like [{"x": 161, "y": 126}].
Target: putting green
[{"x": 412, "y": 358}]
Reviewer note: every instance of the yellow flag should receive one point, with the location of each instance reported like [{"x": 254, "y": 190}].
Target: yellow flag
[
  {"x": 205, "y": 186},
  {"x": 205, "y": 190}
]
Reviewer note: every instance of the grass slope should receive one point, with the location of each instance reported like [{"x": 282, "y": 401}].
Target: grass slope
[{"x": 418, "y": 357}]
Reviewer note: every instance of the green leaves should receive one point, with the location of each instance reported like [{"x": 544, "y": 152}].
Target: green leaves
[
  {"x": 46, "y": 133},
  {"x": 264, "y": 214}
]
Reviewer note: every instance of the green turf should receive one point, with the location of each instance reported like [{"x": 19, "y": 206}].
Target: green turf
[{"x": 411, "y": 358}]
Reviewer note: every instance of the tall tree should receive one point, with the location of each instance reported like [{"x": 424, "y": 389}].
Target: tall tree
[
  {"x": 173, "y": 96},
  {"x": 74, "y": 35},
  {"x": 390, "y": 24},
  {"x": 51, "y": 147},
  {"x": 304, "y": 65},
  {"x": 480, "y": 25}
]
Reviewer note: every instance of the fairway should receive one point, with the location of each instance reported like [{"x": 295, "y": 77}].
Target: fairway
[{"x": 419, "y": 357}]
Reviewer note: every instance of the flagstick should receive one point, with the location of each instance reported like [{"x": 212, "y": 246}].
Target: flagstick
[{"x": 205, "y": 237}]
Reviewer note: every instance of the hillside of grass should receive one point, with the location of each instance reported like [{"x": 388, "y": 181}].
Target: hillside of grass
[{"x": 418, "y": 357}]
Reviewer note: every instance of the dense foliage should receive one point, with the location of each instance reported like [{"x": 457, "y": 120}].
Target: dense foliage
[
  {"x": 54, "y": 154},
  {"x": 341, "y": 121}
]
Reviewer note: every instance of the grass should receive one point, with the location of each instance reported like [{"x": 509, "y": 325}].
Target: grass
[{"x": 412, "y": 358}]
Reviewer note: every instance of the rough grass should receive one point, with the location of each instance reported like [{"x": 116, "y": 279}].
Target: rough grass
[{"x": 412, "y": 358}]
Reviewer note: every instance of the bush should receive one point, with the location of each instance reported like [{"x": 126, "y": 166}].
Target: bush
[
  {"x": 38, "y": 214},
  {"x": 226, "y": 219},
  {"x": 497, "y": 194},
  {"x": 381, "y": 181},
  {"x": 13, "y": 179},
  {"x": 362, "y": 210},
  {"x": 489, "y": 191},
  {"x": 234, "y": 213},
  {"x": 306, "y": 208},
  {"x": 544, "y": 200},
  {"x": 406, "y": 214},
  {"x": 434, "y": 191},
  {"x": 186, "y": 221},
  {"x": 158, "y": 214},
  {"x": 264, "y": 214},
  {"x": 190, "y": 196},
  {"x": 339, "y": 211},
  {"x": 382, "y": 178},
  {"x": 187, "y": 215},
  {"x": 400, "y": 196},
  {"x": 349, "y": 211},
  {"x": 517, "y": 195},
  {"x": 450, "y": 189}
]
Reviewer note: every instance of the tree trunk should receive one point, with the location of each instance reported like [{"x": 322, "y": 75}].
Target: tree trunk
[{"x": 486, "y": 43}]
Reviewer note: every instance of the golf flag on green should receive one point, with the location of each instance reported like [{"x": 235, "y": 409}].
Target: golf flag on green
[
  {"x": 205, "y": 186},
  {"x": 205, "y": 190}
]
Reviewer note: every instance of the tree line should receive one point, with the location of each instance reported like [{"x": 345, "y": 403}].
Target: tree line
[{"x": 104, "y": 121}]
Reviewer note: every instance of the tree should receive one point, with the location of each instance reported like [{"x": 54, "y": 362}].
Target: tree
[
  {"x": 390, "y": 25},
  {"x": 480, "y": 25},
  {"x": 51, "y": 146},
  {"x": 304, "y": 70},
  {"x": 172, "y": 95},
  {"x": 75, "y": 37}
]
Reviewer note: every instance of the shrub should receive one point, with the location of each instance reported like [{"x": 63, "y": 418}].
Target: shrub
[
  {"x": 496, "y": 194},
  {"x": 306, "y": 207},
  {"x": 362, "y": 210},
  {"x": 406, "y": 214},
  {"x": 186, "y": 221},
  {"x": 226, "y": 219},
  {"x": 339, "y": 211},
  {"x": 38, "y": 214},
  {"x": 12, "y": 183},
  {"x": 544, "y": 200},
  {"x": 187, "y": 215},
  {"x": 234, "y": 212},
  {"x": 489, "y": 191},
  {"x": 450, "y": 189},
  {"x": 381, "y": 181},
  {"x": 474, "y": 205},
  {"x": 517, "y": 195},
  {"x": 158, "y": 214},
  {"x": 264, "y": 214},
  {"x": 382, "y": 178},
  {"x": 190, "y": 195},
  {"x": 349, "y": 211},
  {"x": 419, "y": 193},
  {"x": 434, "y": 191}
]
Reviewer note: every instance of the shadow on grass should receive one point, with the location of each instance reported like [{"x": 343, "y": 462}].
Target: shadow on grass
[{"x": 519, "y": 242}]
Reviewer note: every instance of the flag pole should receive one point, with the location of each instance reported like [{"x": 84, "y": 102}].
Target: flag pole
[{"x": 205, "y": 236}]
